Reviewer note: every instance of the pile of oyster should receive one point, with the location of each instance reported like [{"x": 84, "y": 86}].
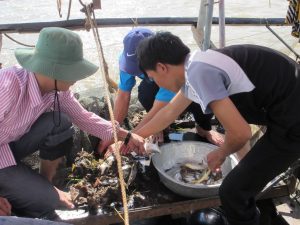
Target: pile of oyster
[
  {"x": 94, "y": 182},
  {"x": 199, "y": 173}
]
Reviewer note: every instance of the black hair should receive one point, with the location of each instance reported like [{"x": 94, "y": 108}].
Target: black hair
[{"x": 162, "y": 47}]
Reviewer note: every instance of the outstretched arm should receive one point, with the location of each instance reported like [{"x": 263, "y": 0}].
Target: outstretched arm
[
  {"x": 165, "y": 116},
  {"x": 157, "y": 106},
  {"x": 237, "y": 131},
  {"x": 120, "y": 112},
  {"x": 121, "y": 105}
]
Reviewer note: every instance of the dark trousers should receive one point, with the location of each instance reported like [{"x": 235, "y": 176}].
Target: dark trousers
[
  {"x": 263, "y": 163},
  {"x": 146, "y": 94},
  {"x": 147, "y": 91},
  {"x": 29, "y": 193}
]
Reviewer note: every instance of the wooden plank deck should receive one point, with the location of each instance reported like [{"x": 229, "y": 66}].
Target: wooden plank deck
[{"x": 172, "y": 208}]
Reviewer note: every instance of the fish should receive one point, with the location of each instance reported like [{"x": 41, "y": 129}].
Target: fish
[{"x": 198, "y": 173}]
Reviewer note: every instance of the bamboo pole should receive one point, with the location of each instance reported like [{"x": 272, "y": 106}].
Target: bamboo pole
[{"x": 77, "y": 24}]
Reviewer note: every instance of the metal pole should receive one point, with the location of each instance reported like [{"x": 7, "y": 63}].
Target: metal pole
[
  {"x": 0, "y": 41},
  {"x": 198, "y": 30},
  {"x": 77, "y": 24},
  {"x": 221, "y": 23},
  {"x": 201, "y": 16},
  {"x": 208, "y": 24},
  {"x": 283, "y": 42},
  {"x": 0, "y": 48},
  {"x": 287, "y": 174}
]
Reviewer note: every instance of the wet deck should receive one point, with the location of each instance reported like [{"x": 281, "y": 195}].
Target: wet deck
[
  {"x": 289, "y": 209},
  {"x": 163, "y": 202}
]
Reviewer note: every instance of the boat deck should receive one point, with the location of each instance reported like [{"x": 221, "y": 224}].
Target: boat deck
[{"x": 162, "y": 202}]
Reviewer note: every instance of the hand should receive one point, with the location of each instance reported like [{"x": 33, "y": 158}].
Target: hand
[
  {"x": 5, "y": 207},
  {"x": 124, "y": 149},
  {"x": 212, "y": 136},
  {"x": 65, "y": 198},
  {"x": 158, "y": 137},
  {"x": 136, "y": 144},
  {"x": 103, "y": 146},
  {"x": 215, "y": 159},
  {"x": 112, "y": 148},
  {"x": 110, "y": 151}
]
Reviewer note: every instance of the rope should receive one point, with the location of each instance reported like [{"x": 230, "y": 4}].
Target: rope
[
  {"x": 58, "y": 3},
  {"x": 135, "y": 22},
  {"x": 113, "y": 87},
  {"x": 20, "y": 43},
  {"x": 69, "y": 9},
  {"x": 103, "y": 64}
]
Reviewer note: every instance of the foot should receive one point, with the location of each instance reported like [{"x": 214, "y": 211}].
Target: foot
[{"x": 212, "y": 136}]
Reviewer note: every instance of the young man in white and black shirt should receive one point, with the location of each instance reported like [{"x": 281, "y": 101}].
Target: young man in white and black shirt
[{"x": 240, "y": 84}]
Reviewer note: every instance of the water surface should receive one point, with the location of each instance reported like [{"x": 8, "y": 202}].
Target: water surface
[{"x": 17, "y": 11}]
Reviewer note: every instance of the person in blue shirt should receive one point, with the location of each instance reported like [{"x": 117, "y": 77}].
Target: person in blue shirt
[{"x": 151, "y": 96}]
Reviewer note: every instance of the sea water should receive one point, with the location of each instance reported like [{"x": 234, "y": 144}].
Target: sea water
[{"x": 17, "y": 11}]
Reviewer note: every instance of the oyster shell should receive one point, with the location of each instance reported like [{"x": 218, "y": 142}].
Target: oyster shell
[{"x": 96, "y": 183}]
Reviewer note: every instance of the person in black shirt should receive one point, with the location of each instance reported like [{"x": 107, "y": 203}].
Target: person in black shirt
[{"x": 240, "y": 84}]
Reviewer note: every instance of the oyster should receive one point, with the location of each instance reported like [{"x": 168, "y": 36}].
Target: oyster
[{"x": 96, "y": 183}]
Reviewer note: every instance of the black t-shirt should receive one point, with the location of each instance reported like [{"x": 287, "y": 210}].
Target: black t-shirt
[{"x": 276, "y": 97}]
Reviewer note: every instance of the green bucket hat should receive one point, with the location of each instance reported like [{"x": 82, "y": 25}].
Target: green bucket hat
[{"x": 58, "y": 54}]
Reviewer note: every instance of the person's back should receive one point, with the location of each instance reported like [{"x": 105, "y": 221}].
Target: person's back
[
  {"x": 278, "y": 70},
  {"x": 271, "y": 103},
  {"x": 244, "y": 84}
]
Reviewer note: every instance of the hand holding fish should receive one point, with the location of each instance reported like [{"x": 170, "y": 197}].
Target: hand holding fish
[
  {"x": 215, "y": 159},
  {"x": 132, "y": 142},
  {"x": 136, "y": 143},
  {"x": 124, "y": 150},
  {"x": 158, "y": 137},
  {"x": 150, "y": 146}
]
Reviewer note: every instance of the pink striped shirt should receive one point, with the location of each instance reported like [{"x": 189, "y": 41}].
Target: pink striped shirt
[{"x": 22, "y": 104}]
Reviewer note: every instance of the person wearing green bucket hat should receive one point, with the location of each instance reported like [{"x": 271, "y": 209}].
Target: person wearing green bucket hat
[{"x": 37, "y": 112}]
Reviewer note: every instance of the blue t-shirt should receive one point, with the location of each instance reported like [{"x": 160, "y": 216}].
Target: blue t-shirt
[{"x": 127, "y": 82}]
